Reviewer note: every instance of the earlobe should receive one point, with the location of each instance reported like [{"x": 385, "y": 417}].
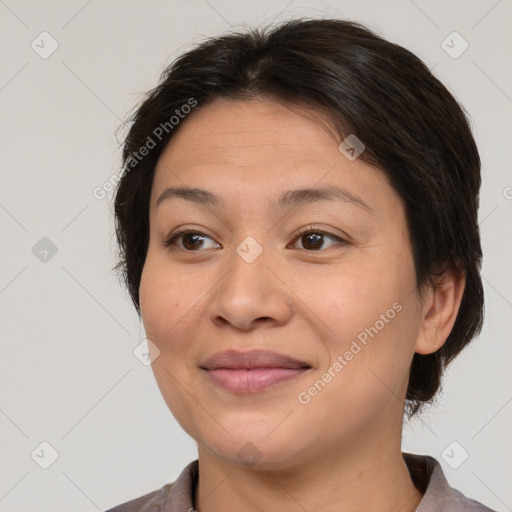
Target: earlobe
[{"x": 440, "y": 309}]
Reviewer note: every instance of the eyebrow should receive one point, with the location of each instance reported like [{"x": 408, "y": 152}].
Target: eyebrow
[{"x": 289, "y": 198}]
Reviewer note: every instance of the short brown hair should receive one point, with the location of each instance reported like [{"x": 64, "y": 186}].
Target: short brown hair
[{"x": 413, "y": 129}]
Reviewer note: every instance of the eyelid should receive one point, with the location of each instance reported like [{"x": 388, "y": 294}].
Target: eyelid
[{"x": 311, "y": 228}]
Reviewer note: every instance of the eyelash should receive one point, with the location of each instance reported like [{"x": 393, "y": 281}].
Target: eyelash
[{"x": 179, "y": 233}]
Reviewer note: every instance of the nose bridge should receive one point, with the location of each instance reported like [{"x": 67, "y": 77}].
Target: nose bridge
[
  {"x": 250, "y": 289},
  {"x": 249, "y": 270}
]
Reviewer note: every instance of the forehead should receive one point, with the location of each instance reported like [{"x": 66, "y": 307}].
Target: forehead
[
  {"x": 260, "y": 146},
  {"x": 239, "y": 129}
]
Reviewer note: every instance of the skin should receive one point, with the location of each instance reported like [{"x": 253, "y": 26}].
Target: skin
[{"x": 342, "y": 450}]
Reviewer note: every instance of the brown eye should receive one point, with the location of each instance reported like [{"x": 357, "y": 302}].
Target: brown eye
[
  {"x": 190, "y": 240},
  {"x": 313, "y": 239}
]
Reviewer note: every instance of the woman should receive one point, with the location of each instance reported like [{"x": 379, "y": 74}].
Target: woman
[{"x": 297, "y": 220}]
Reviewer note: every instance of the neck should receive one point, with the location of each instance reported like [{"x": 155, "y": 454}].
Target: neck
[{"x": 364, "y": 474}]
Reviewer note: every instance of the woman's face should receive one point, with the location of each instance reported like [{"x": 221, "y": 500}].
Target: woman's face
[{"x": 341, "y": 300}]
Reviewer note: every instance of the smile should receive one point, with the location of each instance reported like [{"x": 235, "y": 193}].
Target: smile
[{"x": 252, "y": 380}]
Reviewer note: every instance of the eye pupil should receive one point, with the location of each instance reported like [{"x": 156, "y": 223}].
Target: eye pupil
[
  {"x": 316, "y": 238},
  {"x": 188, "y": 236}
]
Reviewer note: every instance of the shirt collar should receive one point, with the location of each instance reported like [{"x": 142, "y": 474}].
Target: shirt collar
[{"x": 425, "y": 471}]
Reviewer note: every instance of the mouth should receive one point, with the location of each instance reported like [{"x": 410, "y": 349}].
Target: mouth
[{"x": 252, "y": 371}]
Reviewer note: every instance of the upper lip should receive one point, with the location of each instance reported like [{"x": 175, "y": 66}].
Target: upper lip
[{"x": 235, "y": 360}]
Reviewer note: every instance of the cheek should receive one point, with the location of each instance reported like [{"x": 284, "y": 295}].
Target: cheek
[
  {"x": 373, "y": 323},
  {"x": 355, "y": 300},
  {"x": 166, "y": 313},
  {"x": 153, "y": 304},
  {"x": 169, "y": 308}
]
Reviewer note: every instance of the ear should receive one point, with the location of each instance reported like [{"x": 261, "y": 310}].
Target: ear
[{"x": 440, "y": 306}]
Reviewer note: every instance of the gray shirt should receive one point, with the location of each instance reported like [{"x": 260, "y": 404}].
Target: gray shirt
[{"x": 425, "y": 471}]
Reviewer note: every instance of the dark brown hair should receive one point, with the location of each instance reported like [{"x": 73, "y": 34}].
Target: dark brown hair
[{"x": 413, "y": 129}]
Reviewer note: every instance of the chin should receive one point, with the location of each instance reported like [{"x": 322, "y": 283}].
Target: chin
[{"x": 258, "y": 447}]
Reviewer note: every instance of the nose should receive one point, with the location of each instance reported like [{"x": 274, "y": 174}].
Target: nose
[{"x": 251, "y": 294}]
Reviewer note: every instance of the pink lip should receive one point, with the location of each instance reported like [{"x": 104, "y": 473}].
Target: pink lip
[
  {"x": 250, "y": 381},
  {"x": 249, "y": 372}
]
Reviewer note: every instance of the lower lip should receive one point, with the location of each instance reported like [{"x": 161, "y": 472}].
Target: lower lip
[{"x": 253, "y": 380}]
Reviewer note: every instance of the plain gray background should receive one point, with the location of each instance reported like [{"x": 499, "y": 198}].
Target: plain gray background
[{"x": 68, "y": 329}]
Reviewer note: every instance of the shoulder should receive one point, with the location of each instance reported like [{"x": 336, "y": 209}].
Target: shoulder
[
  {"x": 178, "y": 495},
  {"x": 456, "y": 501},
  {"x": 150, "y": 502},
  {"x": 468, "y": 504},
  {"x": 438, "y": 495}
]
